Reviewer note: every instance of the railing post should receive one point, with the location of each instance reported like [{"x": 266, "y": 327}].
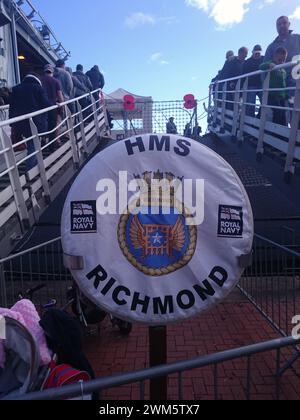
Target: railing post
[
  {"x": 3, "y": 292},
  {"x": 224, "y": 104},
  {"x": 216, "y": 105},
  {"x": 236, "y": 108},
  {"x": 15, "y": 179},
  {"x": 70, "y": 126},
  {"x": 82, "y": 131},
  {"x": 95, "y": 112},
  {"x": 243, "y": 112},
  {"x": 40, "y": 161},
  {"x": 264, "y": 114},
  {"x": 289, "y": 165}
]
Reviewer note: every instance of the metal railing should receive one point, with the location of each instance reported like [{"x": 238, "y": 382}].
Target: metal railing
[
  {"x": 214, "y": 361},
  {"x": 272, "y": 283},
  {"x": 40, "y": 28},
  {"x": 231, "y": 111},
  {"x": 29, "y": 178},
  {"x": 40, "y": 265}
]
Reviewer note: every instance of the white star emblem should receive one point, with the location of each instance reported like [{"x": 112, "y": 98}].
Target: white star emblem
[{"x": 157, "y": 239}]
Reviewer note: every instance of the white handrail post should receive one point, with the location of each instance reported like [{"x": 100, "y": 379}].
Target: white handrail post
[
  {"x": 243, "y": 111},
  {"x": 40, "y": 161},
  {"x": 264, "y": 114},
  {"x": 209, "y": 111},
  {"x": 236, "y": 108},
  {"x": 224, "y": 104},
  {"x": 95, "y": 113},
  {"x": 14, "y": 178},
  {"x": 70, "y": 126},
  {"x": 104, "y": 110},
  {"x": 216, "y": 104},
  {"x": 289, "y": 165},
  {"x": 82, "y": 131}
]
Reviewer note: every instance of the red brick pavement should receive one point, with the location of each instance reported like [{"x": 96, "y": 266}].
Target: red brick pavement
[{"x": 230, "y": 325}]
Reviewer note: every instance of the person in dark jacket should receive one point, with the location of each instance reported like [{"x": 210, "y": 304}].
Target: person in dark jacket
[
  {"x": 234, "y": 68},
  {"x": 254, "y": 82},
  {"x": 278, "y": 80},
  {"x": 54, "y": 92},
  {"x": 171, "y": 126},
  {"x": 290, "y": 41},
  {"x": 96, "y": 78},
  {"x": 84, "y": 79},
  {"x": 26, "y": 98}
]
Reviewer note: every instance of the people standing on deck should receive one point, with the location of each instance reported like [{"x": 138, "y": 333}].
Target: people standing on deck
[
  {"x": 65, "y": 79},
  {"x": 234, "y": 68},
  {"x": 229, "y": 57},
  {"x": 28, "y": 97},
  {"x": 53, "y": 89},
  {"x": 288, "y": 40},
  {"x": 87, "y": 87},
  {"x": 78, "y": 89},
  {"x": 171, "y": 126},
  {"x": 254, "y": 82},
  {"x": 278, "y": 80},
  {"x": 97, "y": 79}
]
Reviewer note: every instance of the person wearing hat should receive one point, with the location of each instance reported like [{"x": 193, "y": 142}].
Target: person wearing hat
[
  {"x": 254, "y": 82},
  {"x": 171, "y": 126},
  {"x": 53, "y": 89}
]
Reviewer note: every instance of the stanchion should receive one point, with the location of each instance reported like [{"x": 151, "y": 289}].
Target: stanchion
[{"x": 158, "y": 357}]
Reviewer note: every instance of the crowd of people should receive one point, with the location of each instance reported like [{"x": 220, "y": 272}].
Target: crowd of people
[
  {"x": 285, "y": 48},
  {"x": 56, "y": 84},
  {"x": 190, "y": 131}
]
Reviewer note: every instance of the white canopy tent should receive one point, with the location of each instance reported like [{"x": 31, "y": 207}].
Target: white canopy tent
[{"x": 143, "y": 113}]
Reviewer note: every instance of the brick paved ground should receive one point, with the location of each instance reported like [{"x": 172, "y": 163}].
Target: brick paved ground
[{"x": 233, "y": 324}]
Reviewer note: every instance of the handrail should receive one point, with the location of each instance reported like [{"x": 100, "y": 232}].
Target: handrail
[
  {"x": 257, "y": 73},
  {"x": 88, "y": 388},
  {"x": 281, "y": 247},
  {"x": 45, "y": 110}
]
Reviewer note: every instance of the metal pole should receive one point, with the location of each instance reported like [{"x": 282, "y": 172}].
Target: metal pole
[
  {"x": 264, "y": 115},
  {"x": 40, "y": 161},
  {"x": 15, "y": 48},
  {"x": 70, "y": 126},
  {"x": 290, "y": 165},
  {"x": 14, "y": 178},
  {"x": 158, "y": 357},
  {"x": 243, "y": 113}
]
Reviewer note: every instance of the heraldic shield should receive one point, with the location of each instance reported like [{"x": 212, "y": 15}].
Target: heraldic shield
[{"x": 154, "y": 234}]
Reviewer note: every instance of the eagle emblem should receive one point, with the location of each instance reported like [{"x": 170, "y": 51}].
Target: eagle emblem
[
  {"x": 157, "y": 239},
  {"x": 157, "y": 242}
]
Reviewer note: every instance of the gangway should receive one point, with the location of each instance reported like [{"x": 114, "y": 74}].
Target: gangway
[
  {"x": 229, "y": 114},
  {"x": 25, "y": 194}
]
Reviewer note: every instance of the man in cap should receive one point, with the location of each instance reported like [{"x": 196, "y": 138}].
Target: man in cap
[
  {"x": 288, "y": 40},
  {"x": 53, "y": 89},
  {"x": 254, "y": 82},
  {"x": 171, "y": 126}
]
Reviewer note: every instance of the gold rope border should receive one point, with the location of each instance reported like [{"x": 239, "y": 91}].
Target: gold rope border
[{"x": 171, "y": 268}]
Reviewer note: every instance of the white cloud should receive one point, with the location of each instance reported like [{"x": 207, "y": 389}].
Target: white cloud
[
  {"x": 265, "y": 3},
  {"x": 140, "y": 19},
  {"x": 158, "y": 57},
  {"x": 221, "y": 12},
  {"x": 296, "y": 14}
]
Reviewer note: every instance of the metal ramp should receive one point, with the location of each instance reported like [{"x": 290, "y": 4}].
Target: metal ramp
[{"x": 26, "y": 193}]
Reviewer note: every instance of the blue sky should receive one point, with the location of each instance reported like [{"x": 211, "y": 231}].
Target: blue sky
[{"x": 162, "y": 48}]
